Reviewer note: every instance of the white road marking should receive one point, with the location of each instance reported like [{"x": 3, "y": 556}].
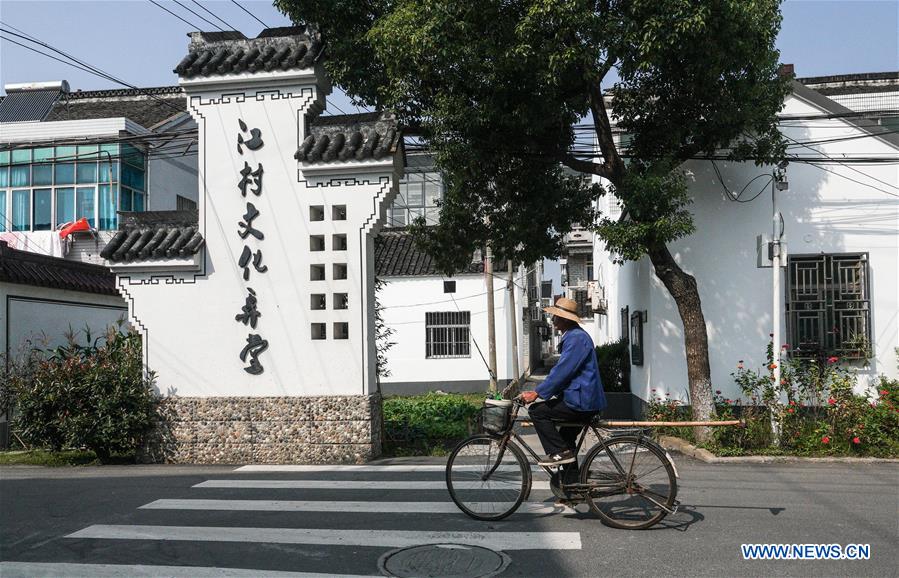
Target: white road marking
[
  {"x": 299, "y": 468},
  {"x": 348, "y": 484},
  {"x": 342, "y": 506},
  {"x": 319, "y": 536},
  {"x": 66, "y": 570}
]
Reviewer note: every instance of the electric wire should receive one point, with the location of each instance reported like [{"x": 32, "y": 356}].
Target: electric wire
[
  {"x": 250, "y": 13},
  {"x": 736, "y": 198},
  {"x": 203, "y": 18},
  {"x": 45, "y": 54},
  {"x": 849, "y": 167},
  {"x": 192, "y": 25},
  {"x": 214, "y": 15},
  {"x": 96, "y": 71}
]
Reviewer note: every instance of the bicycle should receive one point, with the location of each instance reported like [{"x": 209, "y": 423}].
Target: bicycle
[{"x": 627, "y": 479}]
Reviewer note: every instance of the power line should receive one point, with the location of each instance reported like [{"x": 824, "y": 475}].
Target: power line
[
  {"x": 214, "y": 15},
  {"x": 736, "y": 198},
  {"x": 199, "y": 16},
  {"x": 854, "y": 180},
  {"x": 45, "y": 54},
  {"x": 250, "y": 13},
  {"x": 194, "y": 26},
  {"x": 96, "y": 71},
  {"x": 847, "y": 166}
]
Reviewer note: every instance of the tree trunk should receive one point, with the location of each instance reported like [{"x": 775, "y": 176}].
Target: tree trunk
[{"x": 682, "y": 287}]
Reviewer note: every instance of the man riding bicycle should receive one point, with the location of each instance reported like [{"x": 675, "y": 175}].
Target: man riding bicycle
[{"x": 571, "y": 392}]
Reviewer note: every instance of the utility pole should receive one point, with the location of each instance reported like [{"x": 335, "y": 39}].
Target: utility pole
[
  {"x": 491, "y": 322},
  {"x": 510, "y": 285},
  {"x": 778, "y": 183}
]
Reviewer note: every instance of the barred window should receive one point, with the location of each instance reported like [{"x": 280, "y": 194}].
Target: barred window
[
  {"x": 828, "y": 305},
  {"x": 447, "y": 334}
]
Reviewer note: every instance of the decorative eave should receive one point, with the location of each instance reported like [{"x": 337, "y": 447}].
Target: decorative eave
[
  {"x": 353, "y": 143},
  {"x": 155, "y": 240},
  {"x": 231, "y": 53}
]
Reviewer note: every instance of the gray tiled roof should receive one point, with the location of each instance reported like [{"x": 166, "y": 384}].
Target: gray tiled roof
[
  {"x": 397, "y": 255},
  {"x": 145, "y": 106},
  {"x": 230, "y": 52},
  {"x": 347, "y": 137},
  {"x": 28, "y": 268},
  {"x": 154, "y": 235},
  {"x": 27, "y": 105}
]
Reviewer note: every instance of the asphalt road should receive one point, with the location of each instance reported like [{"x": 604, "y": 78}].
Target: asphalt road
[{"x": 723, "y": 506}]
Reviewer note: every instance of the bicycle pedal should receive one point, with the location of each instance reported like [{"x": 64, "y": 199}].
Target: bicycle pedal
[
  {"x": 676, "y": 506},
  {"x": 526, "y": 424}
]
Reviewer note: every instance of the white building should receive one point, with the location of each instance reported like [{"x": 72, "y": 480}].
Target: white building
[
  {"x": 841, "y": 228},
  {"x": 90, "y": 154},
  {"x": 440, "y": 323}
]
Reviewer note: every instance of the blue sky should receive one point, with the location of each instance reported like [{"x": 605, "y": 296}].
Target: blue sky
[{"x": 140, "y": 43}]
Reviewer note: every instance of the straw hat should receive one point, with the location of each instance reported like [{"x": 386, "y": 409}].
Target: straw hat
[{"x": 566, "y": 308}]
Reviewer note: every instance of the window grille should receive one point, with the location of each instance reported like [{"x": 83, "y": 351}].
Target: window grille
[
  {"x": 447, "y": 334},
  {"x": 828, "y": 305},
  {"x": 636, "y": 339}
]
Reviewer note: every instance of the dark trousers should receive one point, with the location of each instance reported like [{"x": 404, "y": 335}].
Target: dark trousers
[{"x": 555, "y": 439}]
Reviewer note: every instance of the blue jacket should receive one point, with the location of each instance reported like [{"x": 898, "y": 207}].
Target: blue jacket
[{"x": 576, "y": 375}]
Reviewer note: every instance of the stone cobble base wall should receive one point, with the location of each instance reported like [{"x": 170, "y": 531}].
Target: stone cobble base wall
[{"x": 266, "y": 430}]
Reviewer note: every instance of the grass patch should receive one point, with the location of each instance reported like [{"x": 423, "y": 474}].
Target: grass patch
[{"x": 58, "y": 459}]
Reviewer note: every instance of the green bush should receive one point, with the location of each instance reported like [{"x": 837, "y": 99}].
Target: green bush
[
  {"x": 430, "y": 423},
  {"x": 93, "y": 396},
  {"x": 614, "y": 366}
]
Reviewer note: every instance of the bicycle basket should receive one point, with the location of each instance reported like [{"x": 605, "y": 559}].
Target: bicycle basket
[{"x": 495, "y": 415}]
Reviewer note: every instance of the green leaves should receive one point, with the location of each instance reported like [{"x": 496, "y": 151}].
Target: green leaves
[{"x": 495, "y": 87}]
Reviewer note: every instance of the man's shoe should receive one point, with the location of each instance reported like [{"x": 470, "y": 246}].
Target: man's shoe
[{"x": 563, "y": 457}]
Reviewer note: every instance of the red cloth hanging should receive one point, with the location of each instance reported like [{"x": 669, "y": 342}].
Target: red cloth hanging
[{"x": 76, "y": 227}]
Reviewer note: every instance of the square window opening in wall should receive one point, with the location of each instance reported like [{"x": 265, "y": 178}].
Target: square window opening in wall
[
  {"x": 449, "y": 286},
  {"x": 317, "y": 272},
  {"x": 319, "y": 331},
  {"x": 338, "y": 212},
  {"x": 341, "y": 301},
  {"x": 341, "y": 330},
  {"x": 317, "y": 301},
  {"x": 340, "y": 271},
  {"x": 316, "y": 242},
  {"x": 317, "y": 213},
  {"x": 338, "y": 243}
]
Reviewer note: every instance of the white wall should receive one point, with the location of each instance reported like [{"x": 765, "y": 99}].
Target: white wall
[
  {"x": 172, "y": 176},
  {"x": 189, "y": 319},
  {"x": 823, "y": 212},
  {"x": 410, "y": 370},
  {"x": 41, "y": 316}
]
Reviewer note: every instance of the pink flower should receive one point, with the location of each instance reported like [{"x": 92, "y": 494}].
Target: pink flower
[
  {"x": 739, "y": 366},
  {"x": 832, "y": 401},
  {"x": 785, "y": 346},
  {"x": 772, "y": 366},
  {"x": 792, "y": 402},
  {"x": 790, "y": 410},
  {"x": 856, "y": 440},
  {"x": 825, "y": 440},
  {"x": 884, "y": 392},
  {"x": 783, "y": 381},
  {"x": 833, "y": 359}
]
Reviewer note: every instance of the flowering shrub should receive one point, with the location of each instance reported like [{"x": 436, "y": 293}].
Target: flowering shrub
[
  {"x": 663, "y": 408},
  {"x": 812, "y": 409},
  {"x": 93, "y": 396}
]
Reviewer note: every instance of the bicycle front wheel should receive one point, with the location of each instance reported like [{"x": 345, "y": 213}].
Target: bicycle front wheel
[
  {"x": 629, "y": 482},
  {"x": 487, "y": 479}
]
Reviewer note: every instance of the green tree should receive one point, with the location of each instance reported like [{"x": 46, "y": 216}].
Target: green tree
[{"x": 496, "y": 88}]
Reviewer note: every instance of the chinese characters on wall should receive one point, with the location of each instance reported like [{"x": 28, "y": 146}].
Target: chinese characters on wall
[{"x": 250, "y": 181}]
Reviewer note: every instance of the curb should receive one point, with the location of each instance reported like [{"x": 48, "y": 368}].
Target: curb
[{"x": 686, "y": 448}]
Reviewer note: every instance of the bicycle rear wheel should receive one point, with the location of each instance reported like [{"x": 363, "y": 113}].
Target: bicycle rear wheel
[
  {"x": 485, "y": 480},
  {"x": 629, "y": 482}
]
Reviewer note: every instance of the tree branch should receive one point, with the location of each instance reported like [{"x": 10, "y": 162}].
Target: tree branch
[
  {"x": 582, "y": 166},
  {"x": 612, "y": 163}
]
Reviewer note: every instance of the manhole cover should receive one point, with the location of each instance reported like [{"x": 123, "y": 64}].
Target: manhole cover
[{"x": 443, "y": 561}]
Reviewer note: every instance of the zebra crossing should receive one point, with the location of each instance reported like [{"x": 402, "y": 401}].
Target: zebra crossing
[{"x": 315, "y": 520}]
